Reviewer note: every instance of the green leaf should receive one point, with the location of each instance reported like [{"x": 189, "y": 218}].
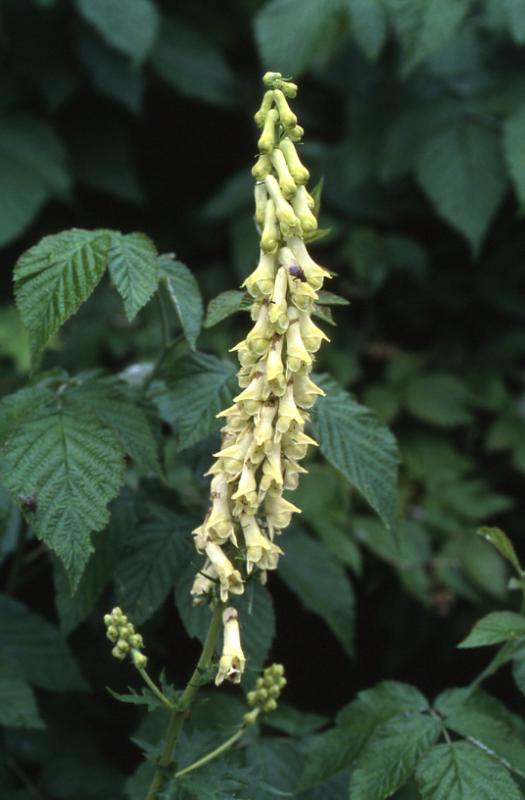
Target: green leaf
[
  {"x": 185, "y": 295},
  {"x": 32, "y": 169},
  {"x": 390, "y": 756},
  {"x": 18, "y": 708},
  {"x": 440, "y": 399},
  {"x": 110, "y": 72},
  {"x": 423, "y": 27},
  {"x": 294, "y": 722},
  {"x": 53, "y": 279},
  {"x": 187, "y": 61},
  {"x": 130, "y": 27},
  {"x": 514, "y": 150},
  {"x": 257, "y": 621},
  {"x": 223, "y": 306},
  {"x": 201, "y": 387},
  {"x": 357, "y": 444},
  {"x": 291, "y": 34},
  {"x": 515, "y": 11},
  {"x": 518, "y": 672},
  {"x": 461, "y": 771},
  {"x": 502, "y": 543},
  {"x": 369, "y": 25},
  {"x": 37, "y": 649},
  {"x": 321, "y": 585},
  {"x": 462, "y": 171},
  {"x": 14, "y": 408},
  {"x": 74, "y": 465},
  {"x": 154, "y": 556},
  {"x": 496, "y": 627},
  {"x": 134, "y": 267}
]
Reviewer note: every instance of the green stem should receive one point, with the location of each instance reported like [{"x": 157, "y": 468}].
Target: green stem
[
  {"x": 212, "y": 754},
  {"x": 155, "y": 689},
  {"x": 177, "y": 717},
  {"x": 166, "y": 343},
  {"x": 501, "y": 657}
]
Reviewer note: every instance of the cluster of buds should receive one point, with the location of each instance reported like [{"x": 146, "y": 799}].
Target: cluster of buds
[
  {"x": 263, "y": 440},
  {"x": 127, "y": 641},
  {"x": 267, "y": 689}
]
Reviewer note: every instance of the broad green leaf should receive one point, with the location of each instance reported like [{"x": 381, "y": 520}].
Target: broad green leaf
[
  {"x": 294, "y": 722},
  {"x": 185, "y": 295},
  {"x": 502, "y": 543},
  {"x": 223, "y": 306},
  {"x": 321, "y": 585},
  {"x": 368, "y": 25},
  {"x": 514, "y": 150},
  {"x": 461, "y": 771},
  {"x": 134, "y": 267},
  {"x": 496, "y": 627},
  {"x": 53, "y": 279},
  {"x": 14, "y": 408},
  {"x": 257, "y": 622},
  {"x": 111, "y": 73},
  {"x": 357, "y": 444},
  {"x": 440, "y": 399},
  {"x": 515, "y": 11},
  {"x": 130, "y": 27},
  {"x": 462, "y": 172},
  {"x": 201, "y": 387},
  {"x": 291, "y": 34},
  {"x": 518, "y": 672},
  {"x": 74, "y": 466},
  {"x": 18, "y": 708},
  {"x": 32, "y": 169},
  {"x": 37, "y": 649},
  {"x": 423, "y": 27},
  {"x": 154, "y": 555},
  {"x": 277, "y": 762},
  {"x": 390, "y": 756},
  {"x": 486, "y": 722},
  {"x": 188, "y": 62}
]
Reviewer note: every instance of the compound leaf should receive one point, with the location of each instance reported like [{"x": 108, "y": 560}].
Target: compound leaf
[{"x": 134, "y": 267}]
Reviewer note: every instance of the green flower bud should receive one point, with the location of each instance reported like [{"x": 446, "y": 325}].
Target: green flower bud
[
  {"x": 261, "y": 695},
  {"x": 259, "y": 683},
  {"x": 139, "y": 659},
  {"x": 262, "y": 167},
  {"x": 123, "y": 646},
  {"x": 251, "y": 698},
  {"x": 112, "y": 633},
  {"x": 267, "y": 138},
  {"x": 251, "y": 717},
  {"x": 276, "y": 669},
  {"x": 285, "y": 113},
  {"x": 296, "y": 134},
  {"x": 274, "y": 691},
  {"x": 269, "y": 706},
  {"x": 265, "y": 106},
  {"x": 117, "y": 653},
  {"x": 136, "y": 641},
  {"x": 288, "y": 89},
  {"x": 271, "y": 78},
  {"x": 108, "y": 619},
  {"x": 297, "y": 170}
]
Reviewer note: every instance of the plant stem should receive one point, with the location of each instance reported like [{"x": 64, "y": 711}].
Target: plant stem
[
  {"x": 167, "y": 344},
  {"x": 177, "y": 717},
  {"x": 155, "y": 689},
  {"x": 502, "y": 656},
  {"x": 212, "y": 754}
]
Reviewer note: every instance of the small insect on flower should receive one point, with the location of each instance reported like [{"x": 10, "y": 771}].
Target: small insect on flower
[{"x": 297, "y": 273}]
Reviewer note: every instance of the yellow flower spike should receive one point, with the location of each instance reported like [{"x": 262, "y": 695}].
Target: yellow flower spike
[
  {"x": 288, "y": 411},
  {"x": 278, "y": 305},
  {"x": 247, "y": 490},
  {"x": 203, "y": 584},
  {"x": 311, "y": 334},
  {"x": 260, "y": 335},
  {"x": 302, "y": 295},
  {"x": 272, "y": 79},
  {"x": 232, "y": 660},
  {"x": 295, "y": 445},
  {"x": 256, "y": 542},
  {"x": 233, "y": 456},
  {"x": 289, "y": 89},
  {"x": 314, "y": 274},
  {"x": 292, "y": 470},
  {"x": 219, "y": 524},
  {"x": 295, "y": 134},
  {"x": 296, "y": 168},
  {"x": 272, "y": 477},
  {"x": 262, "y": 167},
  {"x": 283, "y": 210},
  {"x": 287, "y": 184},
  {"x": 260, "y": 282},
  {"x": 268, "y": 137},
  {"x": 266, "y": 104},
  {"x": 279, "y": 511},
  {"x": 302, "y": 211},
  {"x": 251, "y": 398},
  {"x": 263, "y": 431},
  {"x": 285, "y": 114},
  {"x": 229, "y": 578},
  {"x": 270, "y": 231},
  {"x": 261, "y": 197},
  {"x": 296, "y": 351},
  {"x": 275, "y": 374},
  {"x": 305, "y": 390}
]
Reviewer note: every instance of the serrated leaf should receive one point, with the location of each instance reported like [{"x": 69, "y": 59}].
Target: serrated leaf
[
  {"x": 223, "y": 306},
  {"x": 74, "y": 465},
  {"x": 502, "y": 543},
  {"x": 515, "y": 11},
  {"x": 185, "y": 295},
  {"x": 14, "y": 408},
  {"x": 36, "y": 648},
  {"x": 201, "y": 387},
  {"x": 257, "y": 622},
  {"x": 18, "y": 708},
  {"x": 369, "y": 25},
  {"x": 130, "y": 27},
  {"x": 424, "y": 27},
  {"x": 462, "y": 172},
  {"x": 321, "y": 585},
  {"x": 32, "y": 169},
  {"x": 291, "y": 34},
  {"x": 440, "y": 399},
  {"x": 188, "y": 62},
  {"x": 514, "y": 150},
  {"x": 111, "y": 73},
  {"x": 134, "y": 267},
  {"x": 390, "y": 756},
  {"x": 294, "y": 722},
  {"x": 331, "y": 299},
  {"x": 461, "y": 771},
  {"x": 53, "y": 278},
  {"x": 358, "y": 445},
  {"x": 155, "y": 554},
  {"x": 496, "y": 627}
]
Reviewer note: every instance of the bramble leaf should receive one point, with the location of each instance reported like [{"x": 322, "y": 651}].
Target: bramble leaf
[
  {"x": 496, "y": 627},
  {"x": 185, "y": 295},
  {"x": 18, "y": 708},
  {"x": 131, "y": 27},
  {"x": 502, "y": 543},
  {"x": 134, "y": 267},
  {"x": 513, "y": 149},
  {"x": 223, "y": 306}
]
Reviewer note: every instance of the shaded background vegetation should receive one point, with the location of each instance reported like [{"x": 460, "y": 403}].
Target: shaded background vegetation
[{"x": 415, "y": 118}]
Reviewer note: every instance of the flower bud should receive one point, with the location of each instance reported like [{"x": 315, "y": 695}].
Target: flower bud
[
  {"x": 270, "y": 232},
  {"x": 271, "y": 79},
  {"x": 311, "y": 334},
  {"x": 260, "y": 196},
  {"x": 297, "y": 170},
  {"x": 265, "y": 106},
  {"x": 286, "y": 182},
  {"x": 302, "y": 212},
  {"x": 296, "y": 352},
  {"x": 314, "y": 274},
  {"x": 262, "y": 167},
  {"x": 285, "y": 113},
  {"x": 139, "y": 659},
  {"x": 232, "y": 660},
  {"x": 283, "y": 210},
  {"x": 260, "y": 282},
  {"x": 270, "y": 705},
  {"x": 267, "y": 138},
  {"x": 279, "y": 510}
]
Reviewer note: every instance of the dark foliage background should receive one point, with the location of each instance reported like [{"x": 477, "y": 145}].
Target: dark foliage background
[{"x": 138, "y": 116}]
